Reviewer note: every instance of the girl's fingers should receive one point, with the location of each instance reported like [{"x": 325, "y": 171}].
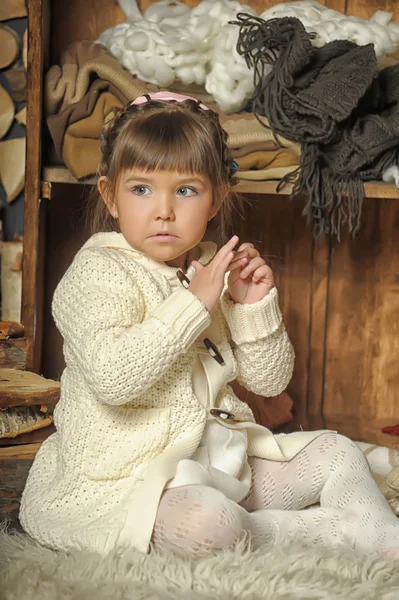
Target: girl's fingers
[
  {"x": 224, "y": 265},
  {"x": 261, "y": 273},
  {"x": 243, "y": 256},
  {"x": 231, "y": 244},
  {"x": 197, "y": 266},
  {"x": 226, "y": 249},
  {"x": 245, "y": 245},
  {"x": 240, "y": 258},
  {"x": 252, "y": 266},
  {"x": 237, "y": 264}
]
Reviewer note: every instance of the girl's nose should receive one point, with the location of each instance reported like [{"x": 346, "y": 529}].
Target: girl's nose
[{"x": 165, "y": 209}]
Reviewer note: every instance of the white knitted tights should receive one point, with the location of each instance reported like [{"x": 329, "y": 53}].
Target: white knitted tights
[{"x": 331, "y": 471}]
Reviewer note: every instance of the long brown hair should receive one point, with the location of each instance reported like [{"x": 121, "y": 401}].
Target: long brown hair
[{"x": 159, "y": 135}]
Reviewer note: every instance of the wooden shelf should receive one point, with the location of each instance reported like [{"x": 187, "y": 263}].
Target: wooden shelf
[
  {"x": 373, "y": 189},
  {"x": 63, "y": 175}
]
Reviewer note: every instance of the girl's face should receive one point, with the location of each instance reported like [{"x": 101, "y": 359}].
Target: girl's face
[{"x": 163, "y": 213}]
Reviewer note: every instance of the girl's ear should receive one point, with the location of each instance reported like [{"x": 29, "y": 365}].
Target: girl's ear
[
  {"x": 104, "y": 188},
  {"x": 219, "y": 199}
]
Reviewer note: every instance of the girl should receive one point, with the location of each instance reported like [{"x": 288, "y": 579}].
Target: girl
[{"x": 151, "y": 442}]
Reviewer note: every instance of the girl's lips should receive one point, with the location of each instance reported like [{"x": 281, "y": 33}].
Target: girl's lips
[{"x": 164, "y": 237}]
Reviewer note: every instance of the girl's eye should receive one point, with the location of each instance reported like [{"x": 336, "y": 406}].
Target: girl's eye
[
  {"x": 186, "y": 191},
  {"x": 141, "y": 190}
]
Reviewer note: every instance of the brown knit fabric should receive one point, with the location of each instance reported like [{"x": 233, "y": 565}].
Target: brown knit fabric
[
  {"x": 333, "y": 102},
  {"x": 81, "y": 63}
]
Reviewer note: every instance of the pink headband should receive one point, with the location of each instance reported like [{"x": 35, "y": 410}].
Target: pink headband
[{"x": 166, "y": 97}]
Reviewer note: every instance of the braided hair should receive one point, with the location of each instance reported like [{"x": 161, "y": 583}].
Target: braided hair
[{"x": 166, "y": 135}]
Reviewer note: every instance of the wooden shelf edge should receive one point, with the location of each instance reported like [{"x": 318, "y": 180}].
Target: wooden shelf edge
[
  {"x": 63, "y": 175},
  {"x": 373, "y": 189},
  {"x": 25, "y": 452}
]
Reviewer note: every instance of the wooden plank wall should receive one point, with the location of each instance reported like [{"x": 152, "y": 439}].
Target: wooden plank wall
[{"x": 340, "y": 301}]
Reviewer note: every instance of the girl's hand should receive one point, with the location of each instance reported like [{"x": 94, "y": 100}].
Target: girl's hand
[
  {"x": 253, "y": 280},
  {"x": 208, "y": 282}
]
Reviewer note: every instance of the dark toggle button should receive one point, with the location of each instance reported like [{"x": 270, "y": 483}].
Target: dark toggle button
[
  {"x": 183, "y": 279},
  {"x": 222, "y": 414},
  {"x": 213, "y": 351},
  {"x": 210, "y": 346}
]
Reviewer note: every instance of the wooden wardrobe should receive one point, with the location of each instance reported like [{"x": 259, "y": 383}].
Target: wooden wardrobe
[{"x": 340, "y": 300}]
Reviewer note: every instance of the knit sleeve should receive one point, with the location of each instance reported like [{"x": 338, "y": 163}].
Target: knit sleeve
[
  {"x": 100, "y": 311},
  {"x": 263, "y": 351}
]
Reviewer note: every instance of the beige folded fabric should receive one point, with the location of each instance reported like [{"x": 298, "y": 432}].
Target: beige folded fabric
[
  {"x": 244, "y": 129},
  {"x": 271, "y": 174},
  {"x": 388, "y": 60},
  {"x": 68, "y": 83},
  {"x": 78, "y": 111},
  {"x": 267, "y": 165},
  {"x": 281, "y": 157},
  {"x": 76, "y": 133},
  {"x": 81, "y": 148},
  {"x": 254, "y": 147},
  {"x": 90, "y": 83}
]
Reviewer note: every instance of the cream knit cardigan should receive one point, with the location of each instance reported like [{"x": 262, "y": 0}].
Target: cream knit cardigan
[{"x": 127, "y": 413}]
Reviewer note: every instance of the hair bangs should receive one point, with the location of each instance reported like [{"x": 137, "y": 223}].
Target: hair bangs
[{"x": 170, "y": 141}]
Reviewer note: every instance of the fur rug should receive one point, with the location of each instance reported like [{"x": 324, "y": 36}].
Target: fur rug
[{"x": 30, "y": 572}]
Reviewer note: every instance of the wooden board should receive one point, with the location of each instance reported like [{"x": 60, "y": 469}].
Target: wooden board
[
  {"x": 366, "y": 8},
  {"x": 78, "y": 20},
  {"x": 361, "y": 373},
  {"x": 372, "y": 189},
  {"x": 65, "y": 236},
  {"x": 32, "y": 280},
  {"x": 317, "y": 332},
  {"x": 280, "y": 233}
]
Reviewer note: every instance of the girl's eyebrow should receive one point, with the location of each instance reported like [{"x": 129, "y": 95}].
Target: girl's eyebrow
[
  {"x": 184, "y": 178},
  {"x": 138, "y": 178}
]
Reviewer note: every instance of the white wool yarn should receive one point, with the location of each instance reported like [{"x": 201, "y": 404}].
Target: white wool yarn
[
  {"x": 391, "y": 175},
  {"x": 330, "y": 25},
  {"x": 172, "y": 41}
]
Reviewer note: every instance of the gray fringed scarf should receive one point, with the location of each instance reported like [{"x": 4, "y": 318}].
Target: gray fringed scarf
[{"x": 333, "y": 102}]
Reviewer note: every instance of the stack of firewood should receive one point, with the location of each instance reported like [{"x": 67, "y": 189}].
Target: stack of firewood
[
  {"x": 13, "y": 70},
  {"x": 27, "y": 400},
  {"x": 13, "y": 52}
]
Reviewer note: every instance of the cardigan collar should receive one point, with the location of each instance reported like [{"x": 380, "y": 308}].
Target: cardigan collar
[{"x": 117, "y": 240}]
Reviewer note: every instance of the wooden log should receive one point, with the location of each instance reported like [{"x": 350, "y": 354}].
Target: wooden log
[
  {"x": 11, "y": 329},
  {"x": 32, "y": 438},
  {"x": 25, "y": 50},
  {"x": 7, "y": 112},
  {"x": 27, "y": 452},
  {"x": 21, "y": 116},
  {"x": 17, "y": 81},
  {"x": 23, "y": 388},
  {"x": 12, "y": 167},
  {"x": 18, "y": 420},
  {"x": 13, "y": 354},
  {"x": 11, "y": 282},
  {"x": 9, "y": 44},
  {"x": 12, "y": 9}
]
